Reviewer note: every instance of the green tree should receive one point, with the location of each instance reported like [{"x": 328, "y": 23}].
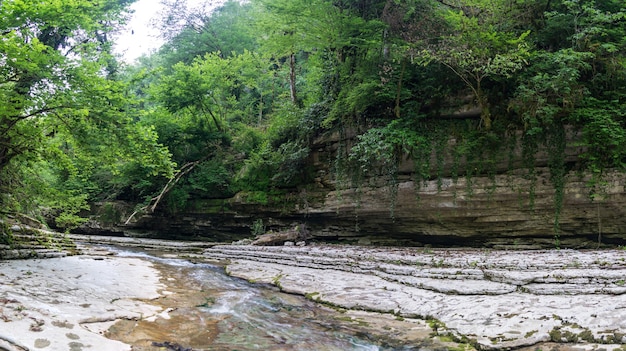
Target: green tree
[
  {"x": 62, "y": 100},
  {"x": 194, "y": 32},
  {"x": 213, "y": 90},
  {"x": 478, "y": 48},
  {"x": 237, "y": 95}
]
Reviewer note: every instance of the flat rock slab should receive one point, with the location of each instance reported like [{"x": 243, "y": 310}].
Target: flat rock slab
[
  {"x": 497, "y": 299},
  {"x": 66, "y": 303}
]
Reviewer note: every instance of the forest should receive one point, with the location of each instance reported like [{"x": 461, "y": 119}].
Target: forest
[{"x": 234, "y": 99}]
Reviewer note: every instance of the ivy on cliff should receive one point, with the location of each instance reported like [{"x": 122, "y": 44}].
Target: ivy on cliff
[{"x": 245, "y": 92}]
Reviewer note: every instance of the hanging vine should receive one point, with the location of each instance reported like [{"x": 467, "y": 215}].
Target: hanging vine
[
  {"x": 530, "y": 148},
  {"x": 440, "y": 145},
  {"x": 555, "y": 144},
  {"x": 421, "y": 165}
]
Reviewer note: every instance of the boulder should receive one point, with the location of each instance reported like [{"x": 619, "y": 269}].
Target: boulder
[{"x": 296, "y": 234}]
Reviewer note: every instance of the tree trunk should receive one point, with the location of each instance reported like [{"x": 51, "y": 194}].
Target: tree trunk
[
  {"x": 399, "y": 90},
  {"x": 170, "y": 184},
  {"x": 292, "y": 78},
  {"x": 7, "y": 152},
  {"x": 485, "y": 113},
  {"x": 4, "y": 158}
]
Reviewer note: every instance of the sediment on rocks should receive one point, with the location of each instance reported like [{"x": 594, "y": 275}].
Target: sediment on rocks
[{"x": 495, "y": 299}]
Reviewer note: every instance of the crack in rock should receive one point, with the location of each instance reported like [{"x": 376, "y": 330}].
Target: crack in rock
[{"x": 498, "y": 299}]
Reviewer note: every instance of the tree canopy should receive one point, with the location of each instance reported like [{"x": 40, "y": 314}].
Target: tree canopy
[
  {"x": 236, "y": 96},
  {"x": 66, "y": 116}
]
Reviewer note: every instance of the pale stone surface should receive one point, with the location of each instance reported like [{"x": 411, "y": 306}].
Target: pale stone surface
[
  {"x": 500, "y": 299},
  {"x": 51, "y": 304}
]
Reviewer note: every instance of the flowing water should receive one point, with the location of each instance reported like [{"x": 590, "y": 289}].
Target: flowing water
[{"x": 208, "y": 310}]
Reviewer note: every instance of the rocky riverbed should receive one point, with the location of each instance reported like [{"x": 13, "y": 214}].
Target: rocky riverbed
[
  {"x": 122, "y": 299},
  {"x": 67, "y": 303},
  {"x": 490, "y": 299},
  {"x": 404, "y": 298}
]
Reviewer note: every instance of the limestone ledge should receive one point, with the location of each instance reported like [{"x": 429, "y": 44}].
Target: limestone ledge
[
  {"x": 67, "y": 303},
  {"x": 23, "y": 241},
  {"x": 495, "y": 299}
]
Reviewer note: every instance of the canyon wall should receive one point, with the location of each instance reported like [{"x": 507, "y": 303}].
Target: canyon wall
[{"x": 498, "y": 210}]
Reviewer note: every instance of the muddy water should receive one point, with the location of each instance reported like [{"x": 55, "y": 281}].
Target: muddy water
[{"x": 208, "y": 310}]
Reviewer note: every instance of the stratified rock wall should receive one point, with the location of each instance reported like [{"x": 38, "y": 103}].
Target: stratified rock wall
[
  {"x": 507, "y": 208},
  {"x": 495, "y": 212},
  {"x": 24, "y": 237}
]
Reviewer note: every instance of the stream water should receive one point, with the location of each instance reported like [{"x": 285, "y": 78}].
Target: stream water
[{"x": 208, "y": 310}]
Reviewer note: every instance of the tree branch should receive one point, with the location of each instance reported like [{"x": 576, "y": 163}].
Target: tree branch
[
  {"x": 11, "y": 121},
  {"x": 154, "y": 202}
]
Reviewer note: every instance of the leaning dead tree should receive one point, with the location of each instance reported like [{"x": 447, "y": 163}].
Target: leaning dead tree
[{"x": 154, "y": 202}]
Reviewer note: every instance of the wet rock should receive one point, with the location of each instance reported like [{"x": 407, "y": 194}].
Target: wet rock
[
  {"x": 143, "y": 243},
  {"x": 171, "y": 346},
  {"x": 498, "y": 299},
  {"x": 56, "y": 303}
]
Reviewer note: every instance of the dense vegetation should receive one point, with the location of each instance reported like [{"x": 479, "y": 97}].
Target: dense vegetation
[{"x": 234, "y": 99}]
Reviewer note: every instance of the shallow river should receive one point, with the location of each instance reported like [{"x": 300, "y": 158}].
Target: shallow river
[{"x": 209, "y": 310}]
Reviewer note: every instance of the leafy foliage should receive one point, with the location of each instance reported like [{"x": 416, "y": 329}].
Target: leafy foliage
[
  {"x": 238, "y": 96},
  {"x": 65, "y": 112}
]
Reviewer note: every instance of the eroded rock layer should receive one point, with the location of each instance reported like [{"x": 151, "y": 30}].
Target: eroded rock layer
[
  {"x": 497, "y": 213},
  {"x": 496, "y": 299},
  {"x": 508, "y": 204}
]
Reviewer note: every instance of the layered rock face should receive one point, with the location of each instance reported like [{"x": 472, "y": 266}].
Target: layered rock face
[
  {"x": 497, "y": 213},
  {"x": 505, "y": 209},
  {"x": 492, "y": 299},
  {"x": 22, "y": 238}
]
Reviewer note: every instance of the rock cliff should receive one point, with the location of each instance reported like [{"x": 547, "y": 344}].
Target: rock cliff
[{"x": 502, "y": 208}]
